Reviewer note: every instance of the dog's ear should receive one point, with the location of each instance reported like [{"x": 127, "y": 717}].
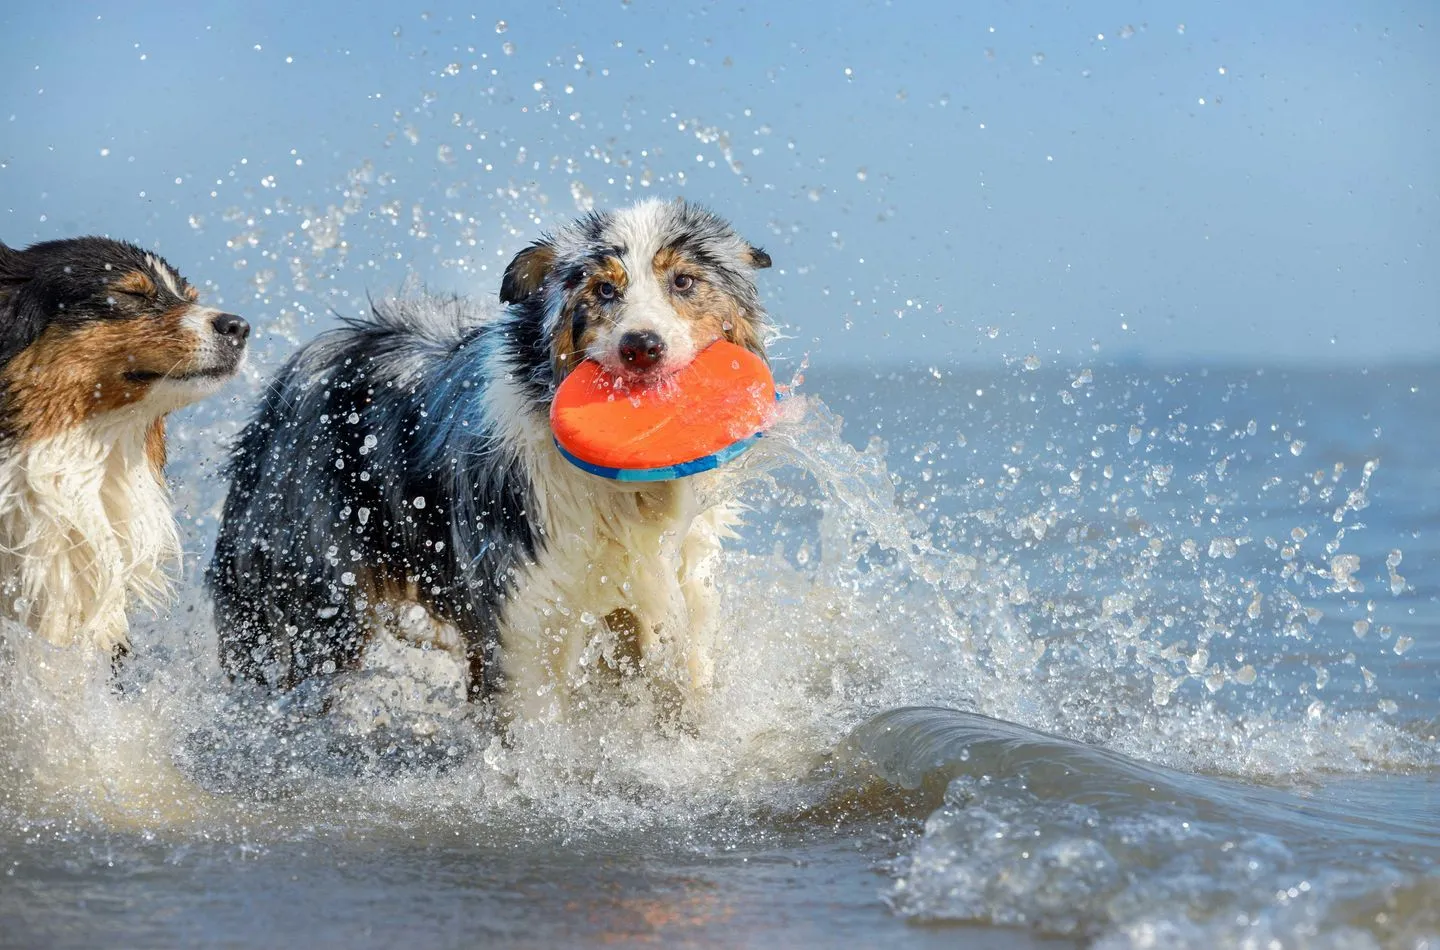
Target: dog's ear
[
  {"x": 527, "y": 272},
  {"x": 22, "y": 311},
  {"x": 15, "y": 267},
  {"x": 758, "y": 258}
]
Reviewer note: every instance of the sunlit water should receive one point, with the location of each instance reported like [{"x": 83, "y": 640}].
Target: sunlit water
[{"x": 1108, "y": 655}]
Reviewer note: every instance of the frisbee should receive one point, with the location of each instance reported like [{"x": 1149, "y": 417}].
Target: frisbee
[{"x": 691, "y": 422}]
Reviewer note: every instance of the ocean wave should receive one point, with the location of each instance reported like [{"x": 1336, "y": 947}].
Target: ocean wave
[{"x": 1031, "y": 829}]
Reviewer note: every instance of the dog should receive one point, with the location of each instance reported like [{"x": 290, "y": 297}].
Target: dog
[
  {"x": 99, "y": 341},
  {"x": 401, "y": 475}
]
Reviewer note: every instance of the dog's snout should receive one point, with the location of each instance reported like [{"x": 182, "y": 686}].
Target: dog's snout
[
  {"x": 641, "y": 349},
  {"x": 232, "y": 327}
]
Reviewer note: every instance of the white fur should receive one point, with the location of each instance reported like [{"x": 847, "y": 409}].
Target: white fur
[
  {"x": 211, "y": 346},
  {"x": 167, "y": 395},
  {"x": 85, "y": 526},
  {"x": 157, "y": 266},
  {"x": 648, "y": 549}
]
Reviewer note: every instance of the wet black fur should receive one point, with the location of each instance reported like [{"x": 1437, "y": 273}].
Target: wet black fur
[{"x": 292, "y": 530}]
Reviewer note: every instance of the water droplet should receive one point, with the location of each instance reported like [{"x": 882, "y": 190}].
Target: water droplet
[
  {"x": 501, "y": 26},
  {"x": 1198, "y": 661},
  {"x": 1342, "y": 567},
  {"x": 1223, "y": 547}
]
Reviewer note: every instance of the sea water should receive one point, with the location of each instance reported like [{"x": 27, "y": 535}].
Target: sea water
[{"x": 1098, "y": 654}]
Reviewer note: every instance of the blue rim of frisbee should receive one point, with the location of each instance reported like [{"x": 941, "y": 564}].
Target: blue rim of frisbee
[{"x": 664, "y": 473}]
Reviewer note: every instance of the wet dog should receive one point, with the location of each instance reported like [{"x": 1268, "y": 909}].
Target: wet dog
[
  {"x": 401, "y": 474},
  {"x": 99, "y": 340}
]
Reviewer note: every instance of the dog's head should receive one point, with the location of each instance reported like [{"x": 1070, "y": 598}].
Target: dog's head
[
  {"x": 90, "y": 325},
  {"x": 642, "y": 290}
]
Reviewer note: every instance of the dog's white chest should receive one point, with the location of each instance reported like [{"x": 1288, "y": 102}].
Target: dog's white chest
[
  {"x": 85, "y": 526},
  {"x": 649, "y": 553}
]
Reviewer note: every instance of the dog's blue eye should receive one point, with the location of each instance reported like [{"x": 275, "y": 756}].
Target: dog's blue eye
[
  {"x": 606, "y": 291},
  {"x": 683, "y": 282}
]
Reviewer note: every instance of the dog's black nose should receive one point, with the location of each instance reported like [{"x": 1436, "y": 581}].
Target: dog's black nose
[
  {"x": 641, "y": 349},
  {"x": 227, "y": 324}
]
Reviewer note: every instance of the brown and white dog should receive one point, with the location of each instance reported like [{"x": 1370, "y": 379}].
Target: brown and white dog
[{"x": 99, "y": 340}]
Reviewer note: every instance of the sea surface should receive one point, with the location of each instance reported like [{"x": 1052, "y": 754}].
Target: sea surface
[{"x": 1026, "y": 655}]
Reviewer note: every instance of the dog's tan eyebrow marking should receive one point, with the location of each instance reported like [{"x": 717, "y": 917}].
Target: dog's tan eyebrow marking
[
  {"x": 135, "y": 282},
  {"x": 609, "y": 271},
  {"x": 668, "y": 258}
]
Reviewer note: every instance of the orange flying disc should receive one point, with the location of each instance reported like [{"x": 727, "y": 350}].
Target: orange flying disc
[{"x": 693, "y": 421}]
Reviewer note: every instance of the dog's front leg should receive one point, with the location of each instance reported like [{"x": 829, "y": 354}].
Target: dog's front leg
[
  {"x": 699, "y": 566},
  {"x": 541, "y": 641},
  {"x": 699, "y": 562}
]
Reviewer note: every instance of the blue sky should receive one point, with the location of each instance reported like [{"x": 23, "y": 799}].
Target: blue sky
[{"x": 1109, "y": 181}]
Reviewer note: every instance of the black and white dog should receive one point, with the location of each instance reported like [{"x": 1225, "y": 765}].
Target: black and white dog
[
  {"x": 99, "y": 340},
  {"x": 401, "y": 474}
]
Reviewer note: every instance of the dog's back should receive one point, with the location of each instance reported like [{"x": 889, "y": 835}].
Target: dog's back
[{"x": 337, "y": 503}]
